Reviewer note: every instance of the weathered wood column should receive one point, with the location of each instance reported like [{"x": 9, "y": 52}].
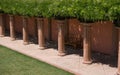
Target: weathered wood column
[
  {"x": 12, "y": 29},
  {"x": 87, "y": 44},
  {"x": 41, "y": 39},
  {"x": 61, "y": 46},
  {"x": 118, "y": 51},
  {"x": 25, "y": 32},
  {"x": 2, "y": 28}
]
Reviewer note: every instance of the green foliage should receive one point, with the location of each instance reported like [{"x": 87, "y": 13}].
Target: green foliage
[
  {"x": 25, "y": 7},
  {"x": 1, "y": 7},
  {"x": 91, "y": 11},
  {"x": 41, "y": 8},
  {"x": 61, "y": 8},
  {"x": 114, "y": 12},
  {"x": 84, "y": 10}
]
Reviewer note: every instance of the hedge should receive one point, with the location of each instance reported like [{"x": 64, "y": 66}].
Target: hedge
[{"x": 84, "y": 10}]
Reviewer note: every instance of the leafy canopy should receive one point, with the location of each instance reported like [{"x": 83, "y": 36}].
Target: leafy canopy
[{"x": 84, "y": 10}]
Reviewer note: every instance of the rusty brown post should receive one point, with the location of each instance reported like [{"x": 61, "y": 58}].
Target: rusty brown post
[
  {"x": 61, "y": 47},
  {"x": 25, "y": 32},
  {"x": 2, "y": 28},
  {"x": 87, "y": 44},
  {"x": 118, "y": 51},
  {"x": 12, "y": 29},
  {"x": 41, "y": 39}
]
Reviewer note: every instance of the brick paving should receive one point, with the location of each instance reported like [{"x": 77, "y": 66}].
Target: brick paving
[{"x": 71, "y": 62}]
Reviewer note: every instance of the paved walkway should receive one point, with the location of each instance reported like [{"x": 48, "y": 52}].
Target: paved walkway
[{"x": 72, "y": 62}]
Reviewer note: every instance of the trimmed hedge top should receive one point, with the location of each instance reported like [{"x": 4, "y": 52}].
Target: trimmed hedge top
[{"x": 84, "y": 10}]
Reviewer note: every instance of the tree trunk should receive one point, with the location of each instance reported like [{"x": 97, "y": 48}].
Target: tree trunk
[
  {"x": 25, "y": 32},
  {"x": 41, "y": 39},
  {"x": 87, "y": 44},
  {"x": 61, "y": 46},
  {"x": 12, "y": 29}
]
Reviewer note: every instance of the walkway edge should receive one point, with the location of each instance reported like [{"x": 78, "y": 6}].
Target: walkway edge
[{"x": 43, "y": 60}]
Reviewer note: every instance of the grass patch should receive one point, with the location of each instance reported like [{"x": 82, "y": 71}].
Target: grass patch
[{"x": 14, "y": 63}]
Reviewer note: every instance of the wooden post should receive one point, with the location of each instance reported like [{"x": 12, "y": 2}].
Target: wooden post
[
  {"x": 118, "y": 51},
  {"x": 87, "y": 44},
  {"x": 41, "y": 39},
  {"x": 25, "y": 32},
  {"x": 2, "y": 28},
  {"x": 61, "y": 47},
  {"x": 12, "y": 29}
]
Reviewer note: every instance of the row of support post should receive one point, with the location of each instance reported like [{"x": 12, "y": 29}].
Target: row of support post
[
  {"x": 25, "y": 31},
  {"x": 87, "y": 44},
  {"x": 61, "y": 47},
  {"x": 41, "y": 40},
  {"x": 12, "y": 27}
]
